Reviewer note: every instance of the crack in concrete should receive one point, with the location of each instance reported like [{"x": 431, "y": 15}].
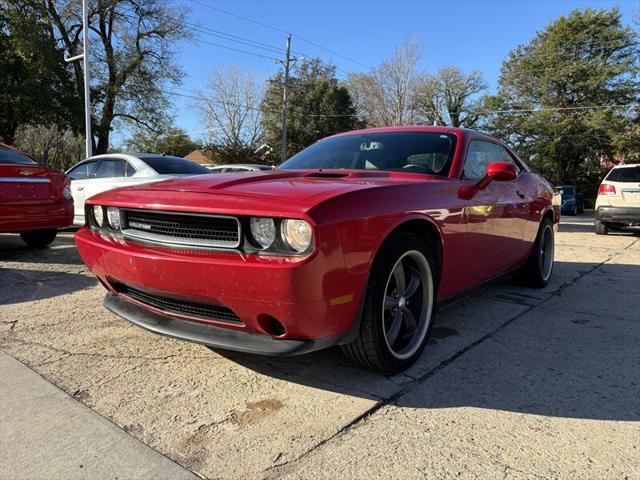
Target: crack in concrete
[
  {"x": 278, "y": 470},
  {"x": 68, "y": 354},
  {"x": 13, "y": 324},
  {"x": 108, "y": 419}
]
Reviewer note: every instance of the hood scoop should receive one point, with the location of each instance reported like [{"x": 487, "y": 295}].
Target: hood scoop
[
  {"x": 355, "y": 174},
  {"x": 321, "y": 174}
]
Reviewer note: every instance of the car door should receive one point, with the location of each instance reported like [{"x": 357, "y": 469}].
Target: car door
[
  {"x": 494, "y": 216},
  {"x": 80, "y": 175},
  {"x": 111, "y": 172}
]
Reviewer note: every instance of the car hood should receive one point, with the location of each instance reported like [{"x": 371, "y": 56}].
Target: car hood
[{"x": 300, "y": 186}]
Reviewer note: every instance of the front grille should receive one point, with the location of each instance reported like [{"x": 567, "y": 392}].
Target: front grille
[
  {"x": 197, "y": 230},
  {"x": 172, "y": 305}
]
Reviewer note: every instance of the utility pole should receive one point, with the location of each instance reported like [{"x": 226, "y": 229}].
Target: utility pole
[
  {"x": 287, "y": 61},
  {"x": 85, "y": 64}
]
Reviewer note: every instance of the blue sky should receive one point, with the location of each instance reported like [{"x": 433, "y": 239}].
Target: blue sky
[{"x": 468, "y": 34}]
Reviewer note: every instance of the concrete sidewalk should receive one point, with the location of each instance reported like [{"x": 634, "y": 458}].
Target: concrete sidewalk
[{"x": 47, "y": 434}]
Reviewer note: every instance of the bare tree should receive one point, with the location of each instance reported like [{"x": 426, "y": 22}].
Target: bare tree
[
  {"x": 449, "y": 97},
  {"x": 52, "y": 145},
  {"x": 131, "y": 58},
  {"x": 230, "y": 107},
  {"x": 388, "y": 95}
]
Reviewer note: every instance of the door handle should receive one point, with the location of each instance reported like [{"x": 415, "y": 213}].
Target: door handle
[
  {"x": 520, "y": 194},
  {"x": 79, "y": 188}
]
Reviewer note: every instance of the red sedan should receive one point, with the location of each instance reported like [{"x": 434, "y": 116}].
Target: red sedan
[
  {"x": 34, "y": 200},
  {"x": 354, "y": 242}
]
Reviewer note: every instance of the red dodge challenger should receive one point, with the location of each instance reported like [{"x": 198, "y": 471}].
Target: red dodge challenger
[
  {"x": 353, "y": 242},
  {"x": 34, "y": 200}
]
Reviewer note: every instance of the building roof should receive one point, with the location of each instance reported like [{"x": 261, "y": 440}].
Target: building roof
[{"x": 201, "y": 157}]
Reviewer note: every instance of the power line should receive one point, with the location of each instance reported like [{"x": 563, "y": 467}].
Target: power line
[
  {"x": 232, "y": 37},
  {"x": 554, "y": 109},
  {"x": 206, "y": 42},
  {"x": 533, "y": 110},
  {"x": 228, "y": 37},
  {"x": 206, "y": 5},
  {"x": 238, "y": 39},
  {"x": 256, "y": 22}
]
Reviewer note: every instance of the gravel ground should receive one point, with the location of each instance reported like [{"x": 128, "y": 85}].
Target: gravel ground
[{"x": 515, "y": 383}]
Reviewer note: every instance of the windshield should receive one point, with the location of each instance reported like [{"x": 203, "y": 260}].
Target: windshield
[
  {"x": 13, "y": 157},
  {"x": 626, "y": 174},
  {"x": 415, "y": 152},
  {"x": 174, "y": 166}
]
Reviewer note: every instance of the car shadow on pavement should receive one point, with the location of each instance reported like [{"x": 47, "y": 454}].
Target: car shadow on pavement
[
  {"x": 571, "y": 355},
  {"x": 567, "y": 227},
  {"x": 32, "y": 285},
  {"x": 62, "y": 251}
]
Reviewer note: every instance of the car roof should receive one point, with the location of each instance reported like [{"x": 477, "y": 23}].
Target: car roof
[
  {"x": 131, "y": 154},
  {"x": 415, "y": 128},
  {"x": 148, "y": 155},
  {"x": 244, "y": 165},
  {"x": 626, "y": 165}
]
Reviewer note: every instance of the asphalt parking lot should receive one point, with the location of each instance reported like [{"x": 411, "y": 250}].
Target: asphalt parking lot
[{"x": 516, "y": 383}]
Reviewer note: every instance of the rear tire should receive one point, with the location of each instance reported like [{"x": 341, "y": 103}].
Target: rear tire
[
  {"x": 537, "y": 272},
  {"x": 601, "y": 228},
  {"x": 398, "y": 307},
  {"x": 39, "y": 238}
]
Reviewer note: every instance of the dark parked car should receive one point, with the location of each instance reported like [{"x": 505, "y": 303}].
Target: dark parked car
[{"x": 572, "y": 200}]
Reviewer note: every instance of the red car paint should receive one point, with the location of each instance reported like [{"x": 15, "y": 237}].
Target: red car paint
[
  {"x": 32, "y": 196},
  {"x": 316, "y": 296}
]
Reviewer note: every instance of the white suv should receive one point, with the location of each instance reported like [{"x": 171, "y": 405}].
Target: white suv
[{"x": 618, "y": 203}]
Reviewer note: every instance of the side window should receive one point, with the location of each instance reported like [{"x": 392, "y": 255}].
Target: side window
[
  {"x": 82, "y": 171},
  {"x": 479, "y": 155},
  {"x": 111, "y": 167},
  {"x": 506, "y": 157},
  {"x": 130, "y": 171}
]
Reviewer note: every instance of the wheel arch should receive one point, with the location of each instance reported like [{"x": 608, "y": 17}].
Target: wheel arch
[
  {"x": 424, "y": 227},
  {"x": 550, "y": 214}
]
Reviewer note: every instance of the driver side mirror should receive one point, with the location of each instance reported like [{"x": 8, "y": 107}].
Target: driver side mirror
[
  {"x": 498, "y": 171},
  {"x": 501, "y": 171}
]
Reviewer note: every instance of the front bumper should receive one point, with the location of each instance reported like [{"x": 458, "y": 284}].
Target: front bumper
[
  {"x": 314, "y": 298},
  {"x": 622, "y": 215},
  {"x": 212, "y": 336}
]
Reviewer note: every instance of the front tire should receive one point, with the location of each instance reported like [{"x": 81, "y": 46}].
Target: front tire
[
  {"x": 537, "y": 272},
  {"x": 39, "y": 238},
  {"x": 398, "y": 307}
]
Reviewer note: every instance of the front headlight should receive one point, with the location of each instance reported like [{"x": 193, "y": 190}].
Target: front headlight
[
  {"x": 113, "y": 217},
  {"x": 98, "y": 215},
  {"x": 263, "y": 231},
  {"x": 296, "y": 234},
  {"x": 66, "y": 191}
]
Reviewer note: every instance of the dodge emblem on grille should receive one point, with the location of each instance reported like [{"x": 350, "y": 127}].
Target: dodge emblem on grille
[{"x": 140, "y": 226}]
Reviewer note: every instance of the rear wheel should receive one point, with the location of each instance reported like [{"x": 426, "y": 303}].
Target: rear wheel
[
  {"x": 39, "y": 238},
  {"x": 398, "y": 307},
  {"x": 601, "y": 228},
  {"x": 537, "y": 272}
]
